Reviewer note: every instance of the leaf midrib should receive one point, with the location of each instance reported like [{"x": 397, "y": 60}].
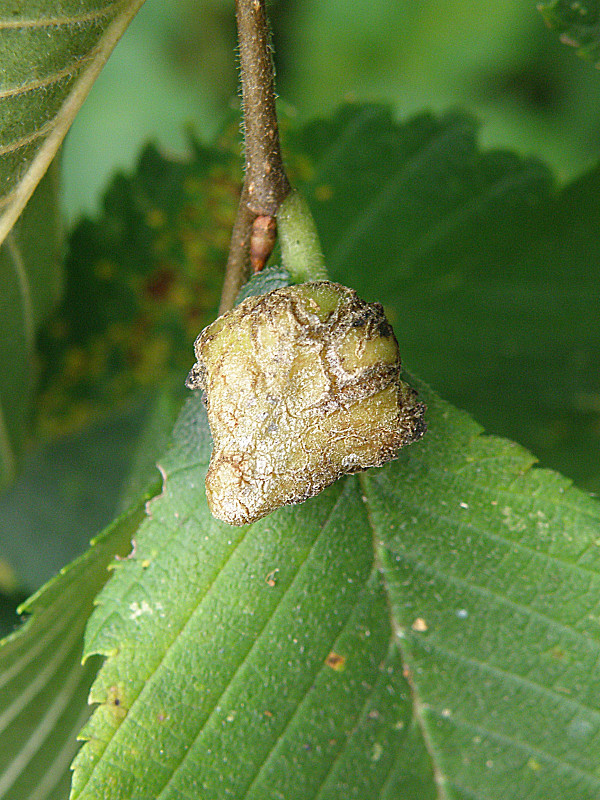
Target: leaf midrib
[{"x": 417, "y": 703}]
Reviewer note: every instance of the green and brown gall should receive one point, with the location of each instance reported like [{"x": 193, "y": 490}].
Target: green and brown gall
[{"x": 302, "y": 385}]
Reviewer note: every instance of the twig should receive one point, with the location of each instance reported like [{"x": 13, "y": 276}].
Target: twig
[
  {"x": 265, "y": 184},
  {"x": 238, "y": 260}
]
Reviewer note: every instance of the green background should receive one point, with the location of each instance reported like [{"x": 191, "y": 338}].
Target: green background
[{"x": 175, "y": 67}]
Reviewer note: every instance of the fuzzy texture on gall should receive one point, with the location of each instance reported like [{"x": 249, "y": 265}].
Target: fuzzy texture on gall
[{"x": 302, "y": 385}]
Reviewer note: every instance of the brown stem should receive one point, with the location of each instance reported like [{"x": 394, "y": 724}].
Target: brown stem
[
  {"x": 238, "y": 261},
  {"x": 265, "y": 184}
]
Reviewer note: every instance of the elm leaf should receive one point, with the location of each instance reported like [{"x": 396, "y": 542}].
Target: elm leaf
[
  {"x": 492, "y": 568},
  {"x": 428, "y": 629},
  {"x": 487, "y": 269},
  {"x": 50, "y": 54},
  {"x": 43, "y": 685},
  {"x": 247, "y": 662},
  {"x": 30, "y": 285}
]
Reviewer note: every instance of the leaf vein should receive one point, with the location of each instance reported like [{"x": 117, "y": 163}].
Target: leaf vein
[
  {"x": 53, "y": 632},
  {"x": 45, "y": 725},
  {"x": 56, "y": 22},
  {"x": 298, "y": 706},
  {"x": 236, "y": 672},
  {"x": 27, "y": 140},
  {"x": 42, "y": 83},
  {"x": 363, "y": 221},
  {"x": 511, "y": 677},
  {"x": 332, "y": 155},
  {"x": 501, "y": 599},
  {"x": 61, "y": 761},
  {"x": 42, "y": 158},
  {"x": 514, "y": 545},
  {"x": 441, "y": 229},
  {"x": 524, "y": 747},
  {"x": 41, "y": 680}
]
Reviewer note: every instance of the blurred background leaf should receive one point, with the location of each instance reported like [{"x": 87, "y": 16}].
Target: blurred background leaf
[
  {"x": 496, "y": 59},
  {"x": 578, "y": 24},
  {"x": 50, "y": 55},
  {"x": 141, "y": 281},
  {"x": 31, "y": 277},
  {"x": 43, "y": 685},
  {"x": 73, "y": 486},
  {"x": 488, "y": 271}
]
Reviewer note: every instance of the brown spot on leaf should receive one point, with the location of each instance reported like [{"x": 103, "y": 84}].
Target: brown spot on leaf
[
  {"x": 270, "y": 580},
  {"x": 115, "y": 702},
  {"x": 336, "y": 661}
]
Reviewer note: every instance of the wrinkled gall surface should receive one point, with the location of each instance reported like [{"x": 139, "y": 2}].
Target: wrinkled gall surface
[{"x": 301, "y": 387}]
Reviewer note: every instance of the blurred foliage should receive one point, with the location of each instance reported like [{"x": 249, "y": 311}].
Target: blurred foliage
[
  {"x": 44, "y": 686},
  {"x": 31, "y": 278},
  {"x": 488, "y": 270},
  {"x": 142, "y": 280},
  {"x": 578, "y": 22},
  {"x": 498, "y": 59}
]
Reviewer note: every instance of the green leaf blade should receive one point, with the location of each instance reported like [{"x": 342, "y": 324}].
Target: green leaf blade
[
  {"x": 50, "y": 63},
  {"x": 43, "y": 686},
  {"x": 247, "y": 659},
  {"x": 491, "y": 568}
]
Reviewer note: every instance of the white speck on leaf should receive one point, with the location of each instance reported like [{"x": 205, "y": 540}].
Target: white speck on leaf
[
  {"x": 137, "y": 609},
  {"x": 377, "y": 752}
]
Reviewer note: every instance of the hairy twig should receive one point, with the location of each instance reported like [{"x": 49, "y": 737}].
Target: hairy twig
[{"x": 265, "y": 183}]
